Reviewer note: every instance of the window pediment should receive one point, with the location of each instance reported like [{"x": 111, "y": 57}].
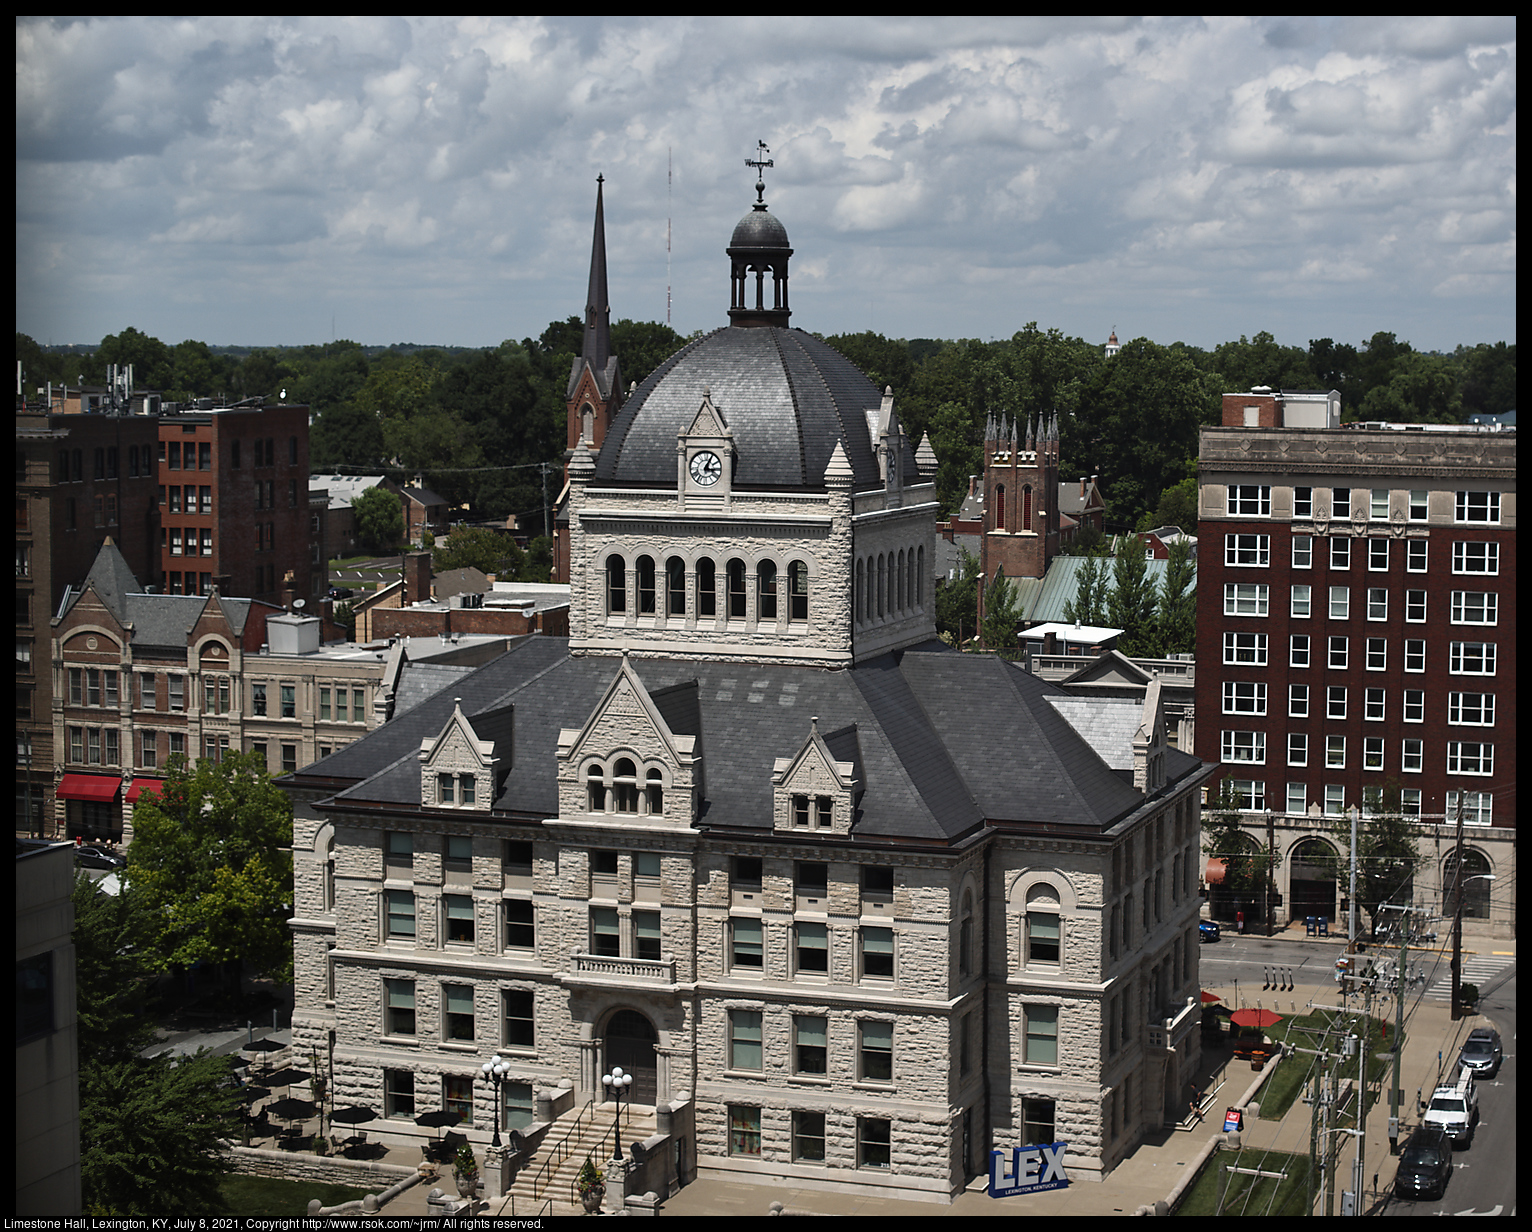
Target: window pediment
[
  {"x": 816, "y": 789},
  {"x": 457, "y": 768}
]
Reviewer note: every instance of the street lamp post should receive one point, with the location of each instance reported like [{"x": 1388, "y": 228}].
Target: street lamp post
[
  {"x": 616, "y": 1083},
  {"x": 1457, "y": 934},
  {"x": 495, "y": 1070}
]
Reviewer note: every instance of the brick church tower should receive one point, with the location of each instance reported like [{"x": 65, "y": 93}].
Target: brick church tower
[{"x": 1021, "y": 483}]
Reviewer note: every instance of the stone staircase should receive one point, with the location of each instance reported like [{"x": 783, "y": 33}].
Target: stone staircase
[{"x": 570, "y": 1146}]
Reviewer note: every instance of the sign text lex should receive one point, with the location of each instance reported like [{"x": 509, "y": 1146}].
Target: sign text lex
[{"x": 1027, "y": 1169}]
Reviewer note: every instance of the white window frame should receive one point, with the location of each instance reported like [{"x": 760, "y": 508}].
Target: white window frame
[
  {"x": 1340, "y": 553},
  {"x": 1374, "y": 705},
  {"x": 1297, "y": 748},
  {"x": 1246, "y": 599},
  {"x": 1249, "y": 500},
  {"x": 1299, "y": 651},
  {"x": 1377, "y": 603},
  {"x": 1470, "y": 757},
  {"x": 1249, "y": 794},
  {"x": 1377, "y": 556},
  {"x": 1377, "y": 510},
  {"x": 1415, "y": 655},
  {"x": 1464, "y": 603},
  {"x": 1297, "y": 701},
  {"x": 1244, "y": 648},
  {"x": 1415, "y": 607},
  {"x": 1471, "y": 709},
  {"x": 1416, "y": 554},
  {"x": 1372, "y": 752},
  {"x": 1414, "y": 705},
  {"x": 1335, "y": 702},
  {"x": 1340, "y": 603},
  {"x": 1412, "y": 755},
  {"x": 1476, "y": 557},
  {"x": 1339, "y": 653},
  {"x": 1247, "y": 551},
  {"x": 1335, "y": 799},
  {"x": 1335, "y": 752},
  {"x": 1419, "y": 505},
  {"x": 1340, "y": 503},
  {"x": 1476, "y": 508},
  {"x": 1303, "y": 502},
  {"x": 1244, "y": 697},
  {"x": 1246, "y": 748},
  {"x": 1471, "y": 658},
  {"x": 1377, "y": 654},
  {"x": 1302, "y": 602},
  {"x": 1297, "y": 799},
  {"x": 1303, "y": 551},
  {"x": 1478, "y": 807}
]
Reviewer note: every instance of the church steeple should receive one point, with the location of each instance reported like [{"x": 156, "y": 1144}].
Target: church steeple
[
  {"x": 595, "y": 379},
  {"x": 597, "y": 344}
]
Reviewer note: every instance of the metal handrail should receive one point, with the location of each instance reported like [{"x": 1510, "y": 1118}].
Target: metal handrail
[{"x": 560, "y": 1152}]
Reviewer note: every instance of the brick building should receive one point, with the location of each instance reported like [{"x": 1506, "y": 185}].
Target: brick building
[
  {"x": 850, "y": 906},
  {"x": 1355, "y": 599},
  {"x": 235, "y": 509},
  {"x": 81, "y": 480}
]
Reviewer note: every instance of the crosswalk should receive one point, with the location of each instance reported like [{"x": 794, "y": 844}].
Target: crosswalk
[{"x": 1477, "y": 969}]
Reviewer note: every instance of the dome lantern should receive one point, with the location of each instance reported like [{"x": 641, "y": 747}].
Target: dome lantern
[{"x": 759, "y": 245}]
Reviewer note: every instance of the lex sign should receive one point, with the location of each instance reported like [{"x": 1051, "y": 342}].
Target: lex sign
[{"x": 1027, "y": 1169}]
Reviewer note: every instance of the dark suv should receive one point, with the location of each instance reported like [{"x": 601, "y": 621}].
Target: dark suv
[
  {"x": 1482, "y": 1052},
  {"x": 1424, "y": 1165}
]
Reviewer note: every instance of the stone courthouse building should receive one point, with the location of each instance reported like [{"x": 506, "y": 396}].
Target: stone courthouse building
[{"x": 852, "y": 907}]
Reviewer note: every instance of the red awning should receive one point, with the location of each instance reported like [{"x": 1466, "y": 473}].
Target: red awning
[
  {"x": 142, "y": 785},
  {"x": 1213, "y": 874},
  {"x": 98, "y": 787}
]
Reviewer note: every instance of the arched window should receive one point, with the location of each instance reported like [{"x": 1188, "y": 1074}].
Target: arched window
[
  {"x": 595, "y": 793},
  {"x": 738, "y": 599},
  {"x": 646, "y": 586},
  {"x": 654, "y": 793},
  {"x": 920, "y": 576},
  {"x": 882, "y": 581},
  {"x": 675, "y": 586},
  {"x": 707, "y": 588},
  {"x": 616, "y": 586},
  {"x": 859, "y": 594},
  {"x": 965, "y": 936},
  {"x": 902, "y": 593},
  {"x": 766, "y": 590},
  {"x": 798, "y": 590},
  {"x": 1000, "y": 506},
  {"x": 893, "y": 582},
  {"x": 625, "y": 786},
  {"x": 1026, "y": 507}
]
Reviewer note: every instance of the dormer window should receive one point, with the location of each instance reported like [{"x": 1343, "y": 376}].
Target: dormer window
[
  {"x": 595, "y": 790},
  {"x": 654, "y": 792},
  {"x": 625, "y": 786}
]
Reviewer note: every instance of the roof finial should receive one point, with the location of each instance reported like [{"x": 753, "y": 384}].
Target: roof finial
[{"x": 760, "y": 163}]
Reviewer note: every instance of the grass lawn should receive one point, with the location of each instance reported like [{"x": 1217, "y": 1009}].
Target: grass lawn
[
  {"x": 1293, "y": 1069},
  {"x": 271, "y": 1198},
  {"x": 1249, "y": 1195}
]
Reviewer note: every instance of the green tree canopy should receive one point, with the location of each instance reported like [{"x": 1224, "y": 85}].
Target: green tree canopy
[
  {"x": 115, "y": 958},
  {"x": 1131, "y": 605},
  {"x": 476, "y": 547},
  {"x": 957, "y": 612},
  {"x": 1176, "y": 613},
  {"x": 379, "y": 519},
  {"x": 1002, "y": 615},
  {"x": 211, "y": 855}
]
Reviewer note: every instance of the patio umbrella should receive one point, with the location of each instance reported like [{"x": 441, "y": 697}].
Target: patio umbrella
[
  {"x": 290, "y": 1109},
  {"x": 1208, "y": 998},
  {"x": 438, "y": 1119},
  {"x": 263, "y": 1045},
  {"x": 354, "y": 1115},
  {"x": 285, "y": 1077},
  {"x": 1259, "y": 1019}
]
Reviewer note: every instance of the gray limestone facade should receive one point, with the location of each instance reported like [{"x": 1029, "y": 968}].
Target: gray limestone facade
[{"x": 852, "y": 907}]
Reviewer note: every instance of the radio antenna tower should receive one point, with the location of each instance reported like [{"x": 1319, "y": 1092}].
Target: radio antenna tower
[{"x": 668, "y": 181}]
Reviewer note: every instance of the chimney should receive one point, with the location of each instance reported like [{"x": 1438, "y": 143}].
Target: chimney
[{"x": 417, "y": 578}]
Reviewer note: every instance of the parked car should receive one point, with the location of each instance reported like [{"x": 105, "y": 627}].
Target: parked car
[
  {"x": 1455, "y": 1109},
  {"x": 1482, "y": 1052},
  {"x": 341, "y": 592},
  {"x": 90, "y": 856},
  {"x": 1425, "y": 1165},
  {"x": 1208, "y": 931}
]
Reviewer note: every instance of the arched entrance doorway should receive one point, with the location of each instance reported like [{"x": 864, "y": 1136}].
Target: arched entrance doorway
[
  {"x": 630, "y": 1041},
  {"x": 1475, "y": 888},
  {"x": 1311, "y": 883}
]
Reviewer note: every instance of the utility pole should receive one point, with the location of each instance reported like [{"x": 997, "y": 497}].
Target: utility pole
[
  {"x": 1351, "y": 927},
  {"x": 1457, "y": 917}
]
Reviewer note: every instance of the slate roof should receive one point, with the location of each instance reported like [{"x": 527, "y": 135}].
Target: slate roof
[
  {"x": 943, "y": 742},
  {"x": 787, "y": 397}
]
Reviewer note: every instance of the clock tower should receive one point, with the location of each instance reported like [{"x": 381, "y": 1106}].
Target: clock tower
[{"x": 705, "y": 460}]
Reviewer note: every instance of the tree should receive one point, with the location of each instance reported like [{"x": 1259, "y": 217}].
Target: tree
[
  {"x": 1176, "y": 615},
  {"x": 1247, "y": 863},
  {"x": 379, "y": 519},
  {"x": 1001, "y": 615},
  {"x": 1387, "y": 857},
  {"x": 1131, "y": 605},
  {"x": 149, "y": 1128},
  {"x": 150, "y": 1131},
  {"x": 476, "y": 547},
  {"x": 1088, "y": 607},
  {"x": 211, "y": 856},
  {"x": 957, "y": 600}
]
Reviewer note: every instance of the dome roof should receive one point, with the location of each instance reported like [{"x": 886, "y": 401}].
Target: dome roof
[
  {"x": 759, "y": 229},
  {"x": 786, "y": 396}
]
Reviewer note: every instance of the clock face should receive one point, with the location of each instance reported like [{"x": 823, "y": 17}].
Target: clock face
[{"x": 706, "y": 468}]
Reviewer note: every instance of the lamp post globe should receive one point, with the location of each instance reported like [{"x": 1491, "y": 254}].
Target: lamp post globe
[
  {"x": 495, "y": 1070},
  {"x": 616, "y": 1083}
]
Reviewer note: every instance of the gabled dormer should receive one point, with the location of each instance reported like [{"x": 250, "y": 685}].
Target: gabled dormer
[
  {"x": 815, "y": 791},
  {"x": 705, "y": 459},
  {"x": 458, "y": 769},
  {"x": 629, "y": 763}
]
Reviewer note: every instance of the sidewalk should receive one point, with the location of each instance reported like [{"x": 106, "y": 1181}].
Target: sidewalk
[{"x": 1154, "y": 1169}]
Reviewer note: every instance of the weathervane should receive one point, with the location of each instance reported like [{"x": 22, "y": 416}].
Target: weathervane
[{"x": 760, "y": 165}]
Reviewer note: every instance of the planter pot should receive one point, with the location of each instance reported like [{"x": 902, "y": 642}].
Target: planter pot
[
  {"x": 467, "y": 1183},
  {"x": 590, "y": 1199}
]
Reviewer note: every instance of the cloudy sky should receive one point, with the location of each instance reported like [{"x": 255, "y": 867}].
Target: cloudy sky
[{"x": 275, "y": 180}]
